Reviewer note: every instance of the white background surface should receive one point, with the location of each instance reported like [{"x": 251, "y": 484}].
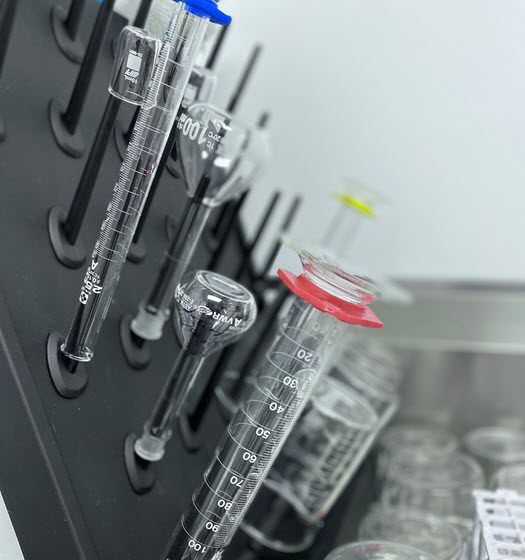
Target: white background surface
[
  {"x": 9, "y": 547},
  {"x": 421, "y": 99}
]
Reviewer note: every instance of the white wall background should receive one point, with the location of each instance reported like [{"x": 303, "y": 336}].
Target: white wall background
[{"x": 422, "y": 99}]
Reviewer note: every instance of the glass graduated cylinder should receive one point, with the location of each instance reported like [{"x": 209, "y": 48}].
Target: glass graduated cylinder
[
  {"x": 256, "y": 434},
  {"x": 156, "y": 118}
]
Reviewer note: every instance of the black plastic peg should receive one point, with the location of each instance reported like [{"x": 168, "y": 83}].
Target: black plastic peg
[
  {"x": 261, "y": 229},
  {"x": 64, "y": 229},
  {"x": 65, "y": 120},
  {"x": 123, "y": 137},
  {"x": 66, "y": 26},
  {"x": 225, "y": 230},
  {"x": 7, "y": 16}
]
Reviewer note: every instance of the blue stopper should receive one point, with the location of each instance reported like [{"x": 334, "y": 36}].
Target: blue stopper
[{"x": 207, "y": 9}]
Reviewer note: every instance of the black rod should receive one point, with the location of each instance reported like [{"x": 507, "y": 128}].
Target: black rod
[
  {"x": 6, "y": 27},
  {"x": 264, "y": 333},
  {"x": 74, "y": 16},
  {"x": 286, "y": 225},
  {"x": 78, "y": 98},
  {"x": 263, "y": 225},
  {"x": 131, "y": 127},
  {"x": 77, "y": 210},
  {"x": 226, "y": 231},
  {"x": 245, "y": 78},
  {"x": 196, "y": 416},
  {"x": 142, "y": 15},
  {"x": 212, "y": 59},
  {"x": 156, "y": 181}
]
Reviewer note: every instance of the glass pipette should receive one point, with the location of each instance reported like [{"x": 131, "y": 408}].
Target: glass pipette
[
  {"x": 211, "y": 312},
  {"x": 157, "y": 116},
  {"x": 220, "y": 157},
  {"x": 326, "y": 297}
]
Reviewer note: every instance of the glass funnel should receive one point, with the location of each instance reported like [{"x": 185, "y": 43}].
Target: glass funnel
[
  {"x": 216, "y": 145},
  {"x": 220, "y": 157}
]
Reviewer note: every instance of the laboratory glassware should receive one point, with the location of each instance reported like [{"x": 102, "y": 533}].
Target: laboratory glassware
[
  {"x": 379, "y": 550},
  {"x": 414, "y": 528},
  {"x": 64, "y": 120},
  {"x": 417, "y": 481},
  {"x": 324, "y": 450},
  {"x": 201, "y": 88},
  {"x": 357, "y": 203},
  {"x": 157, "y": 116},
  {"x": 132, "y": 70},
  {"x": 326, "y": 297},
  {"x": 220, "y": 157},
  {"x": 496, "y": 446},
  {"x": 211, "y": 312},
  {"x": 370, "y": 381},
  {"x": 408, "y": 438},
  {"x": 510, "y": 477}
]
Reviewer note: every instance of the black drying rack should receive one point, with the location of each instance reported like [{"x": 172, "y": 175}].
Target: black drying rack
[{"x": 61, "y": 467}]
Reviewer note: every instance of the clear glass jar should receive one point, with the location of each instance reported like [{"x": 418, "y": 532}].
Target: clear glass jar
[
  {"x": 510, "y": 477},
  {"x": 426, "y": 440},
  {"x": 421, "y": 530},
  {"x": 417, "y": 481},
  {"x": 378, "y": 550},
  {"x": 496, "y": 446}
]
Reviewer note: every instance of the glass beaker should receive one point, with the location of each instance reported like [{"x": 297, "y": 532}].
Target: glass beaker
[
  {"x": 496, "y": 446},
  {"x": 378, "y": 550},
  {"x": 333, "y": 435},
  {"x": 510, "y": 477},
  {"x": 416, "y": 481},
  {"x": 421, "y": 530},
  {"x": 403, "y": 438}
]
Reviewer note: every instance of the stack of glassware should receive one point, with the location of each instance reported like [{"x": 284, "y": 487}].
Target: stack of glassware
[
  {"x": 352, "y": 402},
  {"x": 495, "y": 447},
  {"x": 378, "y": 550}
]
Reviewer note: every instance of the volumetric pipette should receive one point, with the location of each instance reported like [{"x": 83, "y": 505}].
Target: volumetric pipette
[
  {"x": 157, "y": 117},
  {"x": 211, "y": 312},
  {"x": 286, "y": 377}
]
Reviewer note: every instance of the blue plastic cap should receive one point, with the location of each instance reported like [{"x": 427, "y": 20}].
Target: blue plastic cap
[{"x": 207, "y": 9}]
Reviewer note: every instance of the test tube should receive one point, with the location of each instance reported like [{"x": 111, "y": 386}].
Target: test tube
[
  {"x": 257, "y": 432},
  {"x": 157, "y": 116}
]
